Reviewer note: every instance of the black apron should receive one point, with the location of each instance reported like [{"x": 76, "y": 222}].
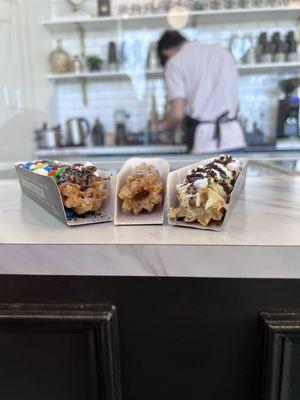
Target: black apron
[{"x": 191, "y": 124}]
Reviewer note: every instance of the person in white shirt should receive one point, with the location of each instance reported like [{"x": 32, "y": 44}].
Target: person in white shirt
[{"x": 202, "y": 89}]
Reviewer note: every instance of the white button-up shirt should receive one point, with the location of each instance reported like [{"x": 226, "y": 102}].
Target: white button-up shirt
[{"x": 205, "y": 76}]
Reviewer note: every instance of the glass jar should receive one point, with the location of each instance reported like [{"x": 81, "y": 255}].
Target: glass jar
[{"x": 60, "y": 61}]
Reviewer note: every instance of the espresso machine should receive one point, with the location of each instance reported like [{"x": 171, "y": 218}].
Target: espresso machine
[{"x": 288, "y": 109}]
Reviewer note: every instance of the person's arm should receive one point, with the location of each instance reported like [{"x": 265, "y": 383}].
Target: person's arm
[{"x": 176, "y": 113}]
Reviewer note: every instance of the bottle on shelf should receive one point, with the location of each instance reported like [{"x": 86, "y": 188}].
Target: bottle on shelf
[
  {"x": 260, "y": 44},
  {"x": 77, "y": 64},
  {"x": 266, "y": 55},
  {"x": 121, "y": 117},
  {"x": 152, "y": 59},
  {"x": 278, "y": 48},
  {"x": 112, "y": 61},
  {"x": 60, "y": 60},
  {"x": 98, "y": 134},
  {"x": 291, "y": 52}
]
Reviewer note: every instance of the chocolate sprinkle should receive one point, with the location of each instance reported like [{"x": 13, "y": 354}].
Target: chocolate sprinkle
[
  {"x": 209, "y": 171},
  {"x": 78, "y": 175}
]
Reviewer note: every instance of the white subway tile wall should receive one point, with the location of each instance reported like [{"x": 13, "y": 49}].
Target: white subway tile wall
[{"x": 258, "y": 92}]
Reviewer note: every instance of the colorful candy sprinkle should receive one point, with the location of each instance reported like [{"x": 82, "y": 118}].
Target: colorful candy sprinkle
[
  {"x": 59, "y": 171},
  {"x": 69, "y": 213},
  {"x": 53, "y": 169},
  {"x": 40, "y": 171},
  {"x": 27, "y": 165}
]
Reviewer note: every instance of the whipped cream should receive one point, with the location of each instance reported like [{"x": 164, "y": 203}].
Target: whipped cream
[
  {"x": 226, "y": 170},
  {"x": 234, "y": 166},
  {"x": 88, "y": 164},
  {"x": 200, "y": 183}
]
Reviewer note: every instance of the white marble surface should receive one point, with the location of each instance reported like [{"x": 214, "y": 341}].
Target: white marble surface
[
  {"x": 266, "y": 214},
  {"x": 152, "y": 261},
  {"x": 261, "y": 239}
]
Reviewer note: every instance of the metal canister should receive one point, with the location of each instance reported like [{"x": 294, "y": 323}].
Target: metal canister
[{"x": 48, "y": 138}]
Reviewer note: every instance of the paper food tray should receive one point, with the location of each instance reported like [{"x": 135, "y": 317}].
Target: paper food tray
[
  {"x": 179, "y": 175},
  {"x": 144, "y": 218},
  {"x": 44, "y": 191}
]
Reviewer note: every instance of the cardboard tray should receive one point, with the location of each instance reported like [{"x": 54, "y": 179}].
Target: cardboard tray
[
  {"x": 44, "y": 191},
  {"x": 179, "y": 175},
  {"x": 157, "y": 216}
]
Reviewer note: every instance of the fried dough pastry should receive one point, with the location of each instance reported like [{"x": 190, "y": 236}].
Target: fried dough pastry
[
  {"x": 82, "y": 189},
  {"x": 205, "y": 193},
  {"x": 83, "y": 201},
  {"x": 143, "y": 190},
  {"x": 212, "y": 207}
]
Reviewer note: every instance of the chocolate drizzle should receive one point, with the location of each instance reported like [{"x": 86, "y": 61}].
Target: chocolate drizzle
[
  {"x": 79, "y": 175},
  {"x": 209, "y": 170}
]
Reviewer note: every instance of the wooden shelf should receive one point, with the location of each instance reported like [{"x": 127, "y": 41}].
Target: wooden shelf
[
  {"x": 71, "y": 23},
  {"x": 114, "y": 75},
  {"x": 268, "y": 68},
  {"x": 103, "y": 75},
  {"x": 287, "y": 144}
]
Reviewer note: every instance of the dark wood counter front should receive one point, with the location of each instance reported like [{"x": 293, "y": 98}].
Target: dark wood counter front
[{"x": 179, "y": 338}]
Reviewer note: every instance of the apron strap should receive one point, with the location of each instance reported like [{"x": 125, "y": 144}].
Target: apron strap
[
  {"x": 189, "y": 126},
  {"x": 219, "y": 120}
]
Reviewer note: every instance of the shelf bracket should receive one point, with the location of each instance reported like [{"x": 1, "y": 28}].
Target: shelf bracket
[
  {"x": 84, "y": 92},
  {"x": 83, "y": 81},
  {"x": 81, "y": 39}
]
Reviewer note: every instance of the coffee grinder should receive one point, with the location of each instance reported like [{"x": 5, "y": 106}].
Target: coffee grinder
[{"x": 288, "y": 109}]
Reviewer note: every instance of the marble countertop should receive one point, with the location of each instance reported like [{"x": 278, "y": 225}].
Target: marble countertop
[
  {"x": 266, "y": 214},
  {"x": 260, "y": 239}
]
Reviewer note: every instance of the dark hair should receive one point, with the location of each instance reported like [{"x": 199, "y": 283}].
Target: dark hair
[{"x": 168, "y": 40}]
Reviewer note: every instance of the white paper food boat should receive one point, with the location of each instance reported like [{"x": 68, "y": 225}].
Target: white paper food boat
[
  {"x": 144, "y": 218},
  {"x": 178, "y": 176},
  {"x": 45, "y": 192}
]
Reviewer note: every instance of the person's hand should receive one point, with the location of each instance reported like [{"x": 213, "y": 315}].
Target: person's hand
[{"x": 165, "y": 124}]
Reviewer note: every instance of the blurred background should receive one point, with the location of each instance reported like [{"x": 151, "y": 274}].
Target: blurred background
[{"x": 81, "y": 78}]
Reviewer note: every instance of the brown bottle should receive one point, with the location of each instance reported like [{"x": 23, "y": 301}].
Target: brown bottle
[{"x": 98, "y": 134}]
